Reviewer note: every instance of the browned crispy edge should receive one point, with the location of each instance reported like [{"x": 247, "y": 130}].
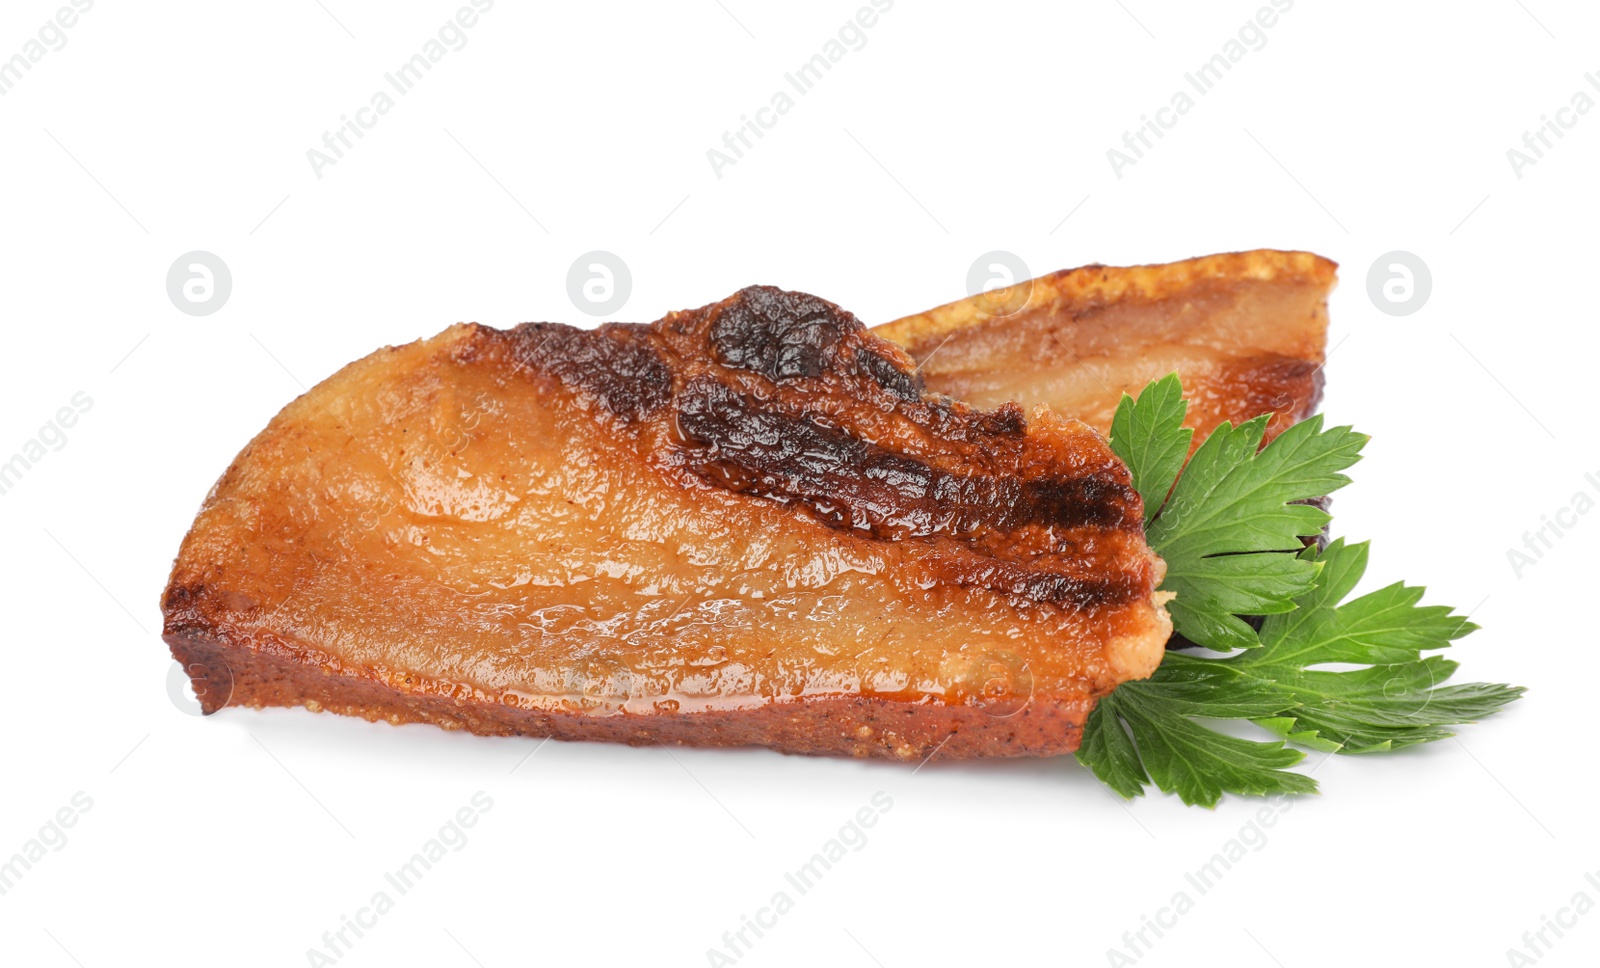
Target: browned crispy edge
[
  {"x": 269, "y": 674},
  {"x": 1098, "y": 284}
]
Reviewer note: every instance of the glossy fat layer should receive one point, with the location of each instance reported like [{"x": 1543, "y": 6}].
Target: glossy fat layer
[
  {"x": 740, "y": 506},
  {"x": 1247, "y": 332}
]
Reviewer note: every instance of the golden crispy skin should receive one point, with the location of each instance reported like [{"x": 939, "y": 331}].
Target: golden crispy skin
[
  {"x": 1246, "y": 331},
  {"x": 742, "y": 524}
]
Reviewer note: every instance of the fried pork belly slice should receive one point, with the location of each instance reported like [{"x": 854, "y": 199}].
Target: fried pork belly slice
[
  {"x": 742, "y": 524},
  {"x": 1246, "y": 331}
]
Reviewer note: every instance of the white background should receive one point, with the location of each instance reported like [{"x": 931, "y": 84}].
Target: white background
[{"x": 1360, "y": 128}]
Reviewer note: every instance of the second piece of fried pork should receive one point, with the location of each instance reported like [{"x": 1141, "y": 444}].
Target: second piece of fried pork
[{"x": 1246, "y": 331}]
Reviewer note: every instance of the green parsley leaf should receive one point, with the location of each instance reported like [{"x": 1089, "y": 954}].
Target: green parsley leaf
[
  {"x": 1391, "y": 704},
  {"x": 1230, "y": 516},
  {"x": 1199, "y": 764},
  {"x": 1231, "y": 513},
  {"x": 1149, "y": 436},
  {"x": 1226, "y": 528},
  {"x": 1108, "y": 751}
]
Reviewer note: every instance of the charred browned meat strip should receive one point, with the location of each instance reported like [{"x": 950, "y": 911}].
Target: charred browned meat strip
[{"x": 742, "y": 524}]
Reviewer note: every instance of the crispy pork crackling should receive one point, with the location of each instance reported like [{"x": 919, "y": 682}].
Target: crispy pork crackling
[{"x": 741, "y": 524}]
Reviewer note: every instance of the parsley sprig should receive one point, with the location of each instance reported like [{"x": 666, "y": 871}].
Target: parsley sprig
[{"x": 1230, "y": 531}]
